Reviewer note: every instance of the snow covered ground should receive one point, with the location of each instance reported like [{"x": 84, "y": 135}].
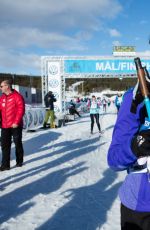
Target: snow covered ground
[{"x": 65, "y": 183}]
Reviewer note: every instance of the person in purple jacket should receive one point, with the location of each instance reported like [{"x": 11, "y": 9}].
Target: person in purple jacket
[{"x": 130, "y": 150}]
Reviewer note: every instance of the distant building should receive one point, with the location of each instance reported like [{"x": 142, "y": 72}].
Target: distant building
[
  {"x": 30, "y": 95},
  {"x": 28, "y": 86}
]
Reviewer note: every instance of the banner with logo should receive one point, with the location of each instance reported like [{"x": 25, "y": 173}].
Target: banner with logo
[
  {"x": 33, "y": 117},
  {"x": 114, "y": 66},
  {"x": 54, "y": 83}
]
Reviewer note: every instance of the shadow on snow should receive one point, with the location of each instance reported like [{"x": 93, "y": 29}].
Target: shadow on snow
[
  {"x": 15, "y": 203},
  {"x": 88, "y": 206}
]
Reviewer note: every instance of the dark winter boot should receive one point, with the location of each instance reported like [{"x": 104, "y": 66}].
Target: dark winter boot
[{"x": 44, "y": 125}]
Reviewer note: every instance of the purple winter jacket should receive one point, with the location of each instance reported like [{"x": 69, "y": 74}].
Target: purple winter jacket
[{"x": 135, "y": 190}]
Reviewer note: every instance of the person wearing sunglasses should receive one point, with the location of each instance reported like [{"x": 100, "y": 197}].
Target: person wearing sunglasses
[{"x": 12, "y": 108}]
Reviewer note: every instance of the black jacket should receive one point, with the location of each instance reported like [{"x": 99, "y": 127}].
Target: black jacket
[{"x": 49, "y": 100}]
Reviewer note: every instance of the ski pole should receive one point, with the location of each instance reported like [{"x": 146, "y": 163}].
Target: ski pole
[
  {"x": 144, "y": 89},
  {"x": 143, "y": 85}
]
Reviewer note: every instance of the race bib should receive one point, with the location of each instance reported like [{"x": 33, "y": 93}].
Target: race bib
[{"x": 94, "y": 105}]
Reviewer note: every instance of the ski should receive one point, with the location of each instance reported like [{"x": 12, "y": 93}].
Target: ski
[
  {"x": 101, "y": 133},
  {"x": 97, "y": 133}
]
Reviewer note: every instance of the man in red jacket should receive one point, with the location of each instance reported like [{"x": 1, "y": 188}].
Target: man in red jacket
[{"x": 12, "y": 109}]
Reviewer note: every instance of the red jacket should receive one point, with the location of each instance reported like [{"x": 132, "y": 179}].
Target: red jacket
[{"x": 12, "y": 108}]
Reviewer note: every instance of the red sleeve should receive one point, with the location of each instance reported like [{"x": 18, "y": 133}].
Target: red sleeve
[
  {"x": 20, "y": 108},
  {"x": 0, "y": 102}
]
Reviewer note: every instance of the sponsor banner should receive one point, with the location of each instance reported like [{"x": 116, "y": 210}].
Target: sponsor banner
[
  {"x": 124, "y": 49},
  {"x": 41, "y": 116},
  {"x": 53, "y": 69},
  {"x": 117, "y": 66},
  {"x": 33, "y": 118},
  {"x": 30, "y": 117},
  {"x": 54, "y": 83},
  {"x": 25, "y": 122}
]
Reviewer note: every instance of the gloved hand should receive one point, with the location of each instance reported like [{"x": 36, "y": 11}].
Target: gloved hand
[
  {"x": 137, "y": 94},
  {"x": 137, "y": 98},
  {"x": 140, "y": 144}
]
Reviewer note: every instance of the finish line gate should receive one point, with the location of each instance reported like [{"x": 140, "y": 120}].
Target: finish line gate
[{"x": 55, "y": 69}]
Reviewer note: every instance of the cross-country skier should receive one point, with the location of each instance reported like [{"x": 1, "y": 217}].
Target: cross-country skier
[
  {"x": 72, "y": 108},
  {"x": 94, "y": 105},
  {"x": 127, "y": 146},
  {"x": 118, "y": 101}
]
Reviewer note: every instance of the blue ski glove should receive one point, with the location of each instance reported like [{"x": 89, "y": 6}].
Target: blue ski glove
[
  {"x": 140, "y": 144},
  {"x": 137, "y": 95}
]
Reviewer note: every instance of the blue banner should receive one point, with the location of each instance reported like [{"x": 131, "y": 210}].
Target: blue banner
[{"x": 116, "y": 66}]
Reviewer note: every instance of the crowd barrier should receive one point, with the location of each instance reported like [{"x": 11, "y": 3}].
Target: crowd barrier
[{"x": 34, "y": 117}]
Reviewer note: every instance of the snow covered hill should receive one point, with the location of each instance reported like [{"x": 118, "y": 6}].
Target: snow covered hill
[{"x": 65, "y": 183}]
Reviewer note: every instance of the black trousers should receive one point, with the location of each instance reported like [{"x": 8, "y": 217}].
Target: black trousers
[
  {"x": 96, "y": 116},
  {"x": 6, "y": 137},
  {"x": 73, "y": 111},
  {"x": 133, "y": 220}
]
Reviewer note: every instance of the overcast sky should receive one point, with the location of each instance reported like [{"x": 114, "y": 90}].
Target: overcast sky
[{"x": 34, "y": 28}]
